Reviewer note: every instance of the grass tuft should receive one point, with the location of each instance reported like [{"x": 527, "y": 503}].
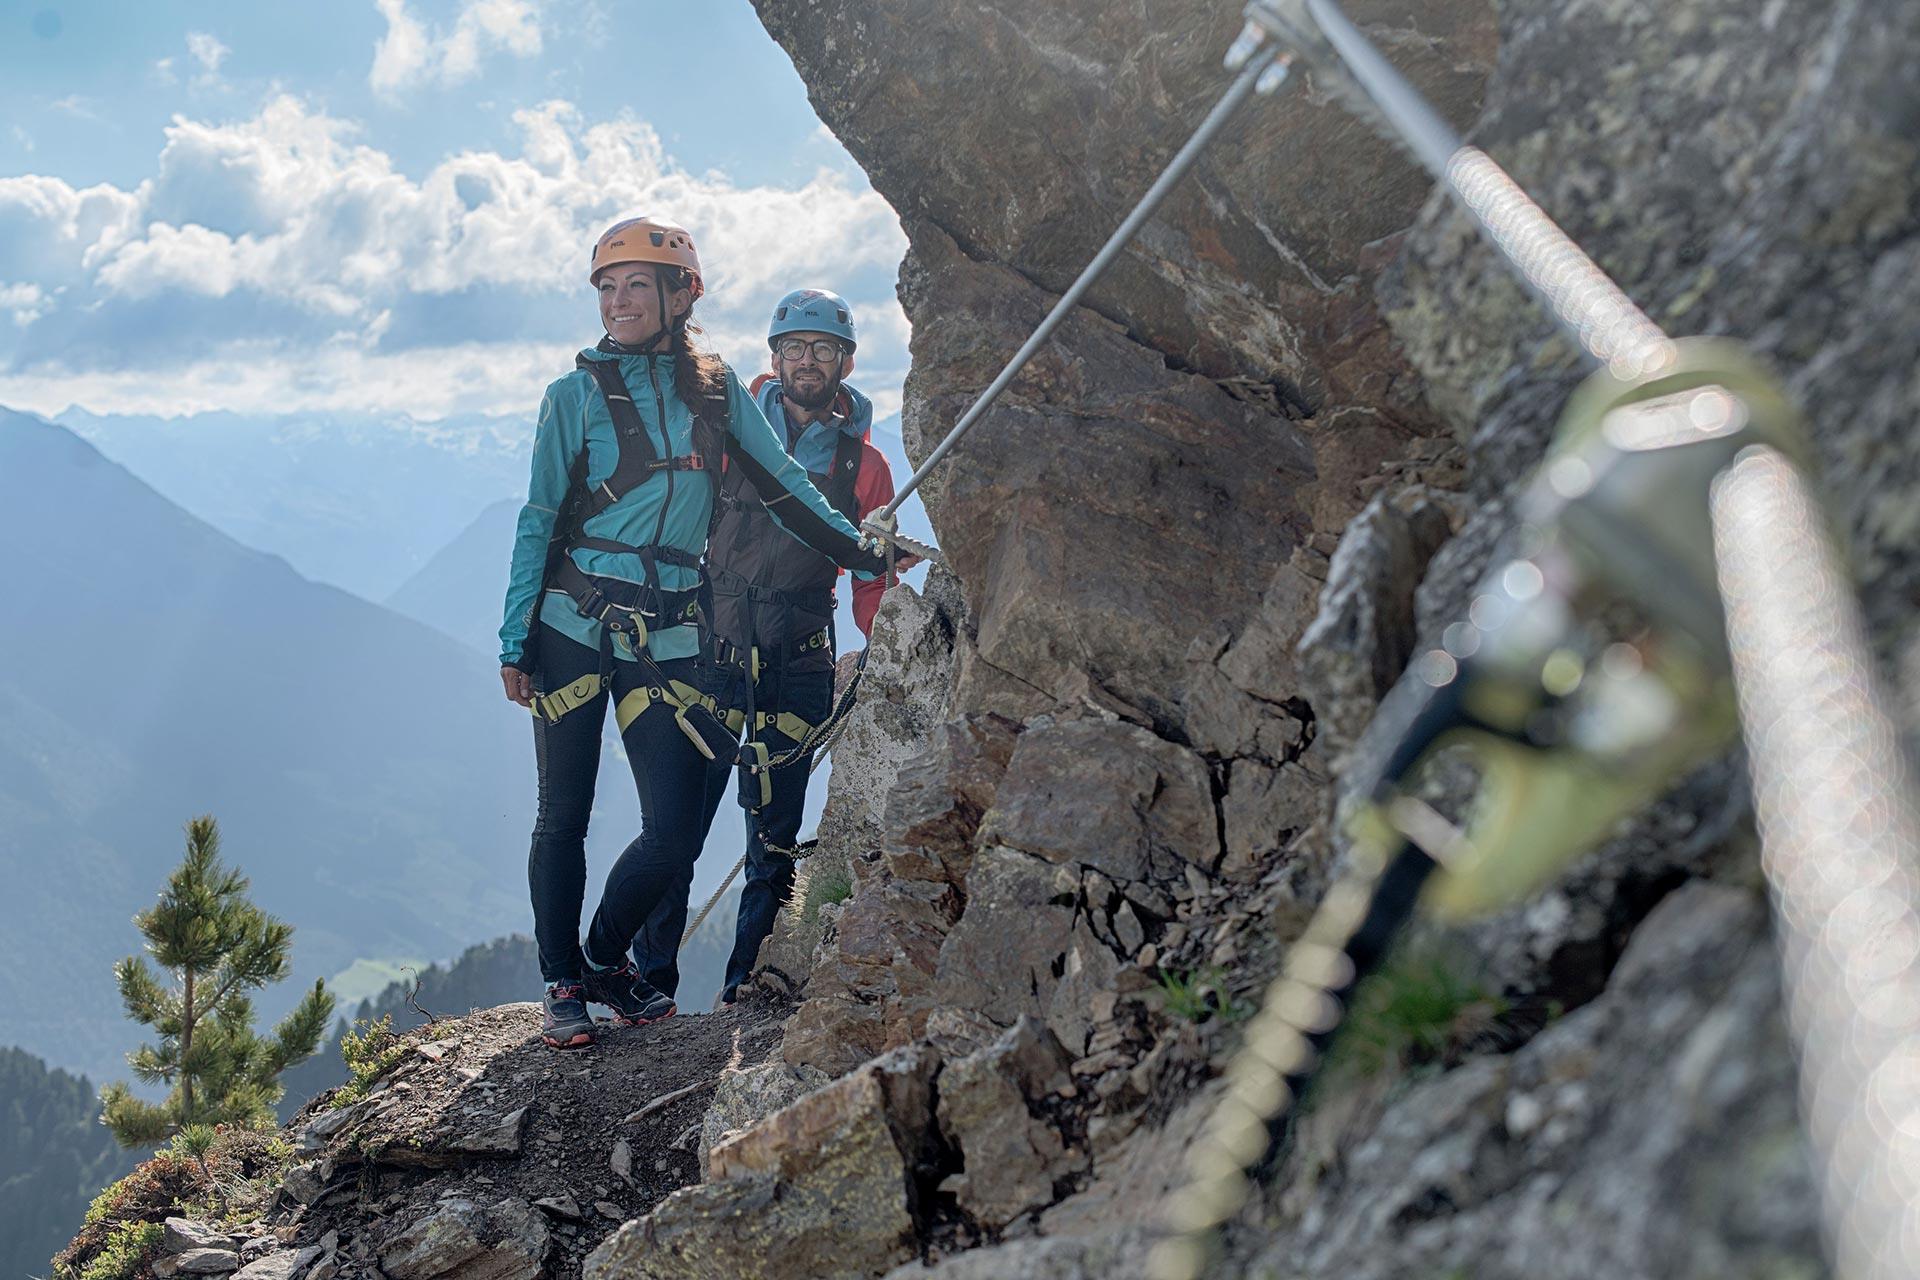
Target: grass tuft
[
  {"x": 817, "y": 884},
  {"x": 1199, "y": 994},
  {"x": 1422, "y": 1007}
]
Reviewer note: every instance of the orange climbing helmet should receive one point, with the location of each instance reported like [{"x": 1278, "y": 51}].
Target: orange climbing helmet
[{"x": 647, "y": 240}]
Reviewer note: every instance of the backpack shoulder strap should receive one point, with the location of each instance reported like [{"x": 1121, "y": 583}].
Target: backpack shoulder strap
[
  {"x": 846, "y": 473},
  {"x": 638, "y": 459},
  {"x": 712, "y": 426},
  {"x": 713, "y": 423}
]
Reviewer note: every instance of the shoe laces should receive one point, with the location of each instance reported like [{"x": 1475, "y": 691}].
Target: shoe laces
[{"x": 564, "y": 991}]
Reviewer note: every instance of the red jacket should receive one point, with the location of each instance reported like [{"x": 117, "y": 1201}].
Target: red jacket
[{"x": 872, "y": 490}]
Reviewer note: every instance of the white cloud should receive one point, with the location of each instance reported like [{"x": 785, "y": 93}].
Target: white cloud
[
  {"x": 22, "y": 137},
  {"x": 329, "y": 219},
  {"x": 409, "y": 54},
  {"x": 402, "y": 53},
  {"x": 427, "y": 384},
  {"x": 207, "y": 50},
  {"x": 257, "y": 241},
  {"x": 52, "y": 233},
  {"x": 79, "y": 106},
  {"x": 24, "y": 302}
]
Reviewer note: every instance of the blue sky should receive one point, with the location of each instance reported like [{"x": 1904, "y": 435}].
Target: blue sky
[{"x": 382, "y": 206}]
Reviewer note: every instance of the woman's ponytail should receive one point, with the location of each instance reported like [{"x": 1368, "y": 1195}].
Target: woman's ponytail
[{"x": 698, "y": 374}]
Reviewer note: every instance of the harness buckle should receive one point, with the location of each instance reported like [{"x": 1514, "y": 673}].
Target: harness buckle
[{"x": 687, "y": 462}]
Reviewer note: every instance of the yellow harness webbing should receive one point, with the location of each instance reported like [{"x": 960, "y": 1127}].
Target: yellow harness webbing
[{"x": 551, "y": 706}]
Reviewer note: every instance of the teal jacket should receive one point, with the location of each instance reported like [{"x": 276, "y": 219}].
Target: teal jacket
[{"x": 670, "y": 509}]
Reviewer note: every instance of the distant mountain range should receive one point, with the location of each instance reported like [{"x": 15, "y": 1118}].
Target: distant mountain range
[
  {"x": 365, "y": 770},
  {"x": 461, "y": 590},
  {"x": 356, "y": 501}
]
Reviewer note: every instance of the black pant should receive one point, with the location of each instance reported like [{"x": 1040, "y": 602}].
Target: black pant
[
  {"x": 769, "y": 882},
  {"x": 679, "y": 791}
]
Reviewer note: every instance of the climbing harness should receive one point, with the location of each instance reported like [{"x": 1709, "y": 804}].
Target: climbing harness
[
  {"x": 621, "y": 607},
  {"x": 633, "y": 609},
  {"x": 691, "y": 708},
  {"x": 755, "y": 623},
  {"x": 812, "y": 748},
  {"x": 1595, "y": 666}
]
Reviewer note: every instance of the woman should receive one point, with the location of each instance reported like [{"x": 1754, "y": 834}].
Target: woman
[{"x": 602, "y": 607}]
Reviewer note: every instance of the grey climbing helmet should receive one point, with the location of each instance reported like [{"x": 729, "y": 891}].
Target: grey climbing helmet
[{"x": 812, "y": 311}]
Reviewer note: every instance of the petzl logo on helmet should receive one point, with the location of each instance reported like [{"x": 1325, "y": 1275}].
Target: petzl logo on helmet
[
  {"x": 662, "y": 243},
  {"x": 813, "y": 311}
]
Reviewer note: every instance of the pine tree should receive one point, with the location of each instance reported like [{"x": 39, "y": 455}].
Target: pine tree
[{"x": 216, "y": 946}]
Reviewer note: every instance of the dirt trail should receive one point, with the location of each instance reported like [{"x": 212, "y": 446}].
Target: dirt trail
[{"x": 483, "y": 1140}]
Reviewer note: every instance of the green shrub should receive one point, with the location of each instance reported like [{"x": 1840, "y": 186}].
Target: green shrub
[
  {"x": 226, "y": 1175},
  {"x": 129, "y": 1247},
  {"x": 115, "y": 1219},
  {"x": 370, "y": 1051}
]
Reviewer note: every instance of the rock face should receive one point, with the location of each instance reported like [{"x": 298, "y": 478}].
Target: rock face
[
  {"x": 1737, "y": 181},
  {"x": 744, "y": 1098},
  {"x": 1651, "y": 1133},
  {"x": 872, "y": 989},
  {"x": 1233, "y": 357},
  {"x": 825, "y": 1187},
  {"x": 1013, "y": 1157},
  {"x": 905, "y": 693},
  {"x": 504, "y": 1241},
  {"x": 1203, "y": 532}
]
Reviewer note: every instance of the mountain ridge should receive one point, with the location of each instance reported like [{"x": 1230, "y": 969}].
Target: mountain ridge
[{"x": 186, "y": 672}]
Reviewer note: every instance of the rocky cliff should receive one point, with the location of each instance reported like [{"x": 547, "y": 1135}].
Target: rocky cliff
[
  {"x": 1204, "y": 531},
  {"x": 1089, "y": 793}
]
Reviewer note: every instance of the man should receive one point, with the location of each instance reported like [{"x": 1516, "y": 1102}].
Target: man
[{"x": 772, "y": 612}]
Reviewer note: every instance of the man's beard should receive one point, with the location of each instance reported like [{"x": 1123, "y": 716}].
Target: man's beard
[{"x": 816, "y": 400}]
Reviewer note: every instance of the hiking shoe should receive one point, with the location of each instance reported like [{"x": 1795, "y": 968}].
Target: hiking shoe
[
  {"x": 564, "y": 1023},
  {"x": 632, "y": 998}
]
